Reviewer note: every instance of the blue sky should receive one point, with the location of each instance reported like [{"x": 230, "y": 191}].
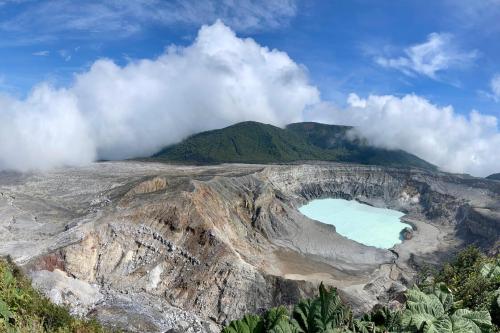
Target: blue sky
[
  {"x": 338, "y": 41},
  {"x": 113, "y": 79}
]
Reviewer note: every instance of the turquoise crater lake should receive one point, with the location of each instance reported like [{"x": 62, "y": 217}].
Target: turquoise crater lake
[{"x": 362, "y": 223}]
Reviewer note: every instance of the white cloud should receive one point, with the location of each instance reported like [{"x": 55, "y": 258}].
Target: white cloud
[
  {"x": 43, "y": 131},
  {"x": 119, "y": 112},
  {"x": 436, "y": 134},
  {"x": 44, "y": 53},
  {"x": 495, "y": 87},
  {"x": 439, "y": 53}
]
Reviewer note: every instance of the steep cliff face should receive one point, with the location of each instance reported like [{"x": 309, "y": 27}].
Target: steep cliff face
[
  {"x": 150, "y": 247},
  {"x": 482, "y": 224}
]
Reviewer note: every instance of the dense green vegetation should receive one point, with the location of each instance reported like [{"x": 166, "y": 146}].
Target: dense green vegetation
[
  {"x": 475, "y": 280},
  {"x": 495, "y": 176},
  {"x": 252, "y": 142},
  {"x": 24, "y": 310},
  {"x": 464, "y": 297}
]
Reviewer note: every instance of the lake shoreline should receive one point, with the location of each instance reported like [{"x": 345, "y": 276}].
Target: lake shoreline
[{"x": 358, "y": 221}]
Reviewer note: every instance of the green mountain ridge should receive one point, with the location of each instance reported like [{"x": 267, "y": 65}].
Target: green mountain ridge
[
  {"x": 495, "y": 176},
  {"x": 253, "y": 142}
]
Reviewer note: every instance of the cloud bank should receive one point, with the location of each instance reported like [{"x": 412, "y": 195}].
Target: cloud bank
[
  {"x": 437, "y": 134},
  {"x": 115, "y": 112}
]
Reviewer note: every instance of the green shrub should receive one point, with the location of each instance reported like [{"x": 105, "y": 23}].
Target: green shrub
[
  {"x": 474, "y": 279},
  {"x": 23, "y": 309}
]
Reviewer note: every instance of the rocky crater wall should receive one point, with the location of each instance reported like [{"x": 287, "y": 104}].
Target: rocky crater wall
[{"x": 194, "y": 247}]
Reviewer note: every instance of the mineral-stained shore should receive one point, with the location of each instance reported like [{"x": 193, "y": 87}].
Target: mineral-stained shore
[{"x": 151, "y": 247}]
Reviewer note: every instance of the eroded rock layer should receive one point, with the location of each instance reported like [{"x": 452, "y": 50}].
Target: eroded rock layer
[{"x": 149, "y": 247}]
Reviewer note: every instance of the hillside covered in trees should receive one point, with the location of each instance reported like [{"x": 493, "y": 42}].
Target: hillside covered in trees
[{"x": 254, "y": 142}]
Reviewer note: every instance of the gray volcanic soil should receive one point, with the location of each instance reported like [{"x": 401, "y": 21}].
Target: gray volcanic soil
[{"x": 148, "y": 247}]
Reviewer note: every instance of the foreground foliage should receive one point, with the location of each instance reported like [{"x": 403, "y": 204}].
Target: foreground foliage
[
  {"x": 464, "y": 297},
  {"x": 475, "y": 280},
  {"x": 23, "y": 309}
]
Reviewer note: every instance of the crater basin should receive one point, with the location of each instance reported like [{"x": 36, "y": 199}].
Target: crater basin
[{"x": 379, "y": 227}]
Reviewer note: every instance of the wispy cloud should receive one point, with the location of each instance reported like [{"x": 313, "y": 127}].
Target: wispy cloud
[
  {"x": 111, "y": 18},
  {"x": 5, "y": 2},
  {"x": 482, "y": 15},
  {"x": 43, "y": 53},
  {"x": 495, "y": 87},
  {"x": 493, "y": 93},
  {"x": 437, "y": 54},
  {"x": 65, "y": 54},
  {"x": 240, "y": 15}
]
